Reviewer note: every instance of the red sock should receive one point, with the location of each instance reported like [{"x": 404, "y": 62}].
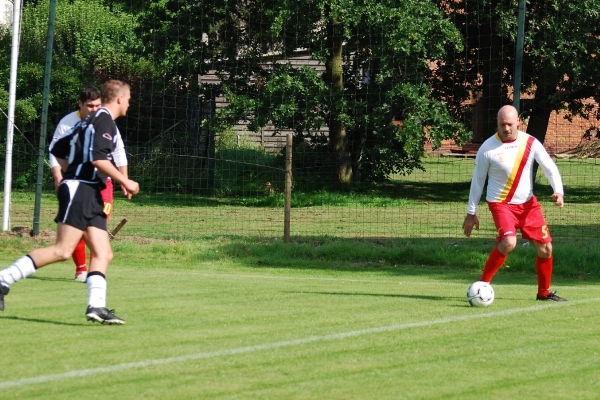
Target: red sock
[
  {"x": 492, "y": 265},
  {"x": 543, "y": 269},
  {"x": 79, "y": 256}
]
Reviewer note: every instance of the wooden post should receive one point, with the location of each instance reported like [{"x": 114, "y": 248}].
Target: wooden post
[{"x": 288, "y": 189}]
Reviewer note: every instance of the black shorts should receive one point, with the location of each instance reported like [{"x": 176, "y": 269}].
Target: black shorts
[{"x": 80, "y": 205}]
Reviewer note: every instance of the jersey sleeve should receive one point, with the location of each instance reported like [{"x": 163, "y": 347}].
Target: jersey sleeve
[
  {"x": 102, "y": 143},
  {"x": 548, "y": 167},
  {"x": 119, "y": 155},
  {"x": 61, "y": 147},
  {"x": 477, "y": 182},
  {"x": 61, "y": 130}
]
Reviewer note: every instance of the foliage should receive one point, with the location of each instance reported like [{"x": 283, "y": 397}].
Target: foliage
[
  {"x": 249, "y": 46},
  {"x": 90, "y": 44},
  {"x": 238, "y": 168},
  {"x": 560, "y": 61},
  {"x": 561, "y": 56}
]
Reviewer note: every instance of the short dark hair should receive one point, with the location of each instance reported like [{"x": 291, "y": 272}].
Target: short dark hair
[
  {"x": 89, "y": 93},
  {"x": 112, "y": 89}
]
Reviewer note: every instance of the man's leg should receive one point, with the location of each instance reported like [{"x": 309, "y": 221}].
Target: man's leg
[
  {"x": 80, "y": 259},
  {"x": 66, "y": 240},
  {"x": 107, "y": 197},
  {"x": 497, "y": 258},
  {"x": 99, "y": 243},
  {"x": 543, "y": 269}
]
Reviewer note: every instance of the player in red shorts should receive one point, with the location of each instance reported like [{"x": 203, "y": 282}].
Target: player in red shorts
[
  {"x": 89, "y": 101},
  {"x": 506, "y": 160}
]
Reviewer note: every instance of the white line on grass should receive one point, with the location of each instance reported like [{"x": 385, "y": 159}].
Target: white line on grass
[{"x": 275, "y": 345}]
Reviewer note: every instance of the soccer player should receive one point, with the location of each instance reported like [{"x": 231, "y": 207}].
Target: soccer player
[
  {"x": 89, "y": 101},
  {"x": 85, "y": 157},
  {"x": 506, "y": 159}
]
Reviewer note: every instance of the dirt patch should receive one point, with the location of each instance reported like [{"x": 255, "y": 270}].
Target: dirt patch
[
  {"x": 585, "y": 149},
  {"x": 144, "y": 240},
  {"x": 26, "y": 232},
  {"x": 50, "y": 236}
]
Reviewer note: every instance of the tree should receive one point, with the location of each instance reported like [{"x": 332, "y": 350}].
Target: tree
[
  {"x": 91, "y": 44},
  {"x": 375, "y": 54},
  {"x": 560, "y": 61}
]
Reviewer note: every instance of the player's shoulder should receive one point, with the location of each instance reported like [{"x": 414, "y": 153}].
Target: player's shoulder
[
  {"x": 100, "y": 115},
  {"x": 103, "y": 112},
  {"x": 491, "y": 143},
  {"x": 68, "y": 121}
]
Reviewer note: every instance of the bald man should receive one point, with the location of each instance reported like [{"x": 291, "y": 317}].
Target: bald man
[{"x": 506, "y": 160}]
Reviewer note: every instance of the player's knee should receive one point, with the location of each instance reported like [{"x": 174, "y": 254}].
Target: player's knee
[
  {"x": 62, "y": 254},
  {"x": 507, "y": 245},
  {"x": 545, "y": 250},
  {"x": 106, "y": 256}
]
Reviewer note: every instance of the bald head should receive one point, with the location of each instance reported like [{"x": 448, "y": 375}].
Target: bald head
[
  {"x": 508, "y": 111},
  {"x": 508, "y": 123}
]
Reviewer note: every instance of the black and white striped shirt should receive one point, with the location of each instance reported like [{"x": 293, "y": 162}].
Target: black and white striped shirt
[{"x": 91, "y": 139}]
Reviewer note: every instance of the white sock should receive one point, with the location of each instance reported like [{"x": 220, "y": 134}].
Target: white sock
[
  {"x": 96, "y": 285},
  {"x": 21, "y": 269}
]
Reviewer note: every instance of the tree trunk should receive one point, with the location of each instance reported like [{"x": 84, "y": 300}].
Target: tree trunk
[
  {"x": 540, "y": 112},
  {"x": 333, "y": 76},
  {"x": 540, "y": 115}
]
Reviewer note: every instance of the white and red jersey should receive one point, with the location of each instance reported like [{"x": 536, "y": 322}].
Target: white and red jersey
[{"x": 509, "y": 169}]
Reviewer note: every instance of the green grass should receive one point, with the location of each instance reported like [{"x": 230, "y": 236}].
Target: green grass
[
  {"x": 366, "y": 301},
  {"x": 239, "y": 319}
]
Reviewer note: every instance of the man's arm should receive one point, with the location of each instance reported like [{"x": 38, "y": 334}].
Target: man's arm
[
  {"x": 62, "y": 166},
  {"x": 57, "y": 172},
  {"x": 480, "y": 172},
  {"x": 108, "y": 169},
  {"x": 551, "y": 172},
  {"x": 55, "y": 165},
  {"x": 119, "y": 155},
  {"x": 124, "y": 171}
]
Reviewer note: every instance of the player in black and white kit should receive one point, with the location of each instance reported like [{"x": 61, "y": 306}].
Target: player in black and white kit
[
  {"x": 88, "y": 102},
  {"x": 85, "y": 158}
]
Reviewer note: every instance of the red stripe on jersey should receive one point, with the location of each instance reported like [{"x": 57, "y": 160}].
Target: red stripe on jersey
[{"x": 519, "y": 173}]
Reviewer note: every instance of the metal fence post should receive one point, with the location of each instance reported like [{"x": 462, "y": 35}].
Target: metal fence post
[{"x": 288, "y": 189}]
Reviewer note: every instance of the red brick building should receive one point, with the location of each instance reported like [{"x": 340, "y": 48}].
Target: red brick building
[{"x": 562, "y": 136}]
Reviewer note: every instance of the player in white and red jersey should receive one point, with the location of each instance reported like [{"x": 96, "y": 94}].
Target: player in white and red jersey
[
  {"x": 89, "y": 101},
  {"x": 506, "y": 160}
]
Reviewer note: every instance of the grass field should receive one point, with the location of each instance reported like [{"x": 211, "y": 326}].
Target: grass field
[
  {"x": 219, "y": 320},
  {"x": 366, "y": 302}
]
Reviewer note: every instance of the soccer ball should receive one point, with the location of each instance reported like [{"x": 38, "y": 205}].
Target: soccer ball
[{"x": 480, "y": 294}]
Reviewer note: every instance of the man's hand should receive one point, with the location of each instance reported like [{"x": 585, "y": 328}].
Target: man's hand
[
  {"x": 470, "y": 222},
  {"x": 125, "y": 192},
  {"x": 559, "y": 200},
  {"x": 130, "y": 188}
]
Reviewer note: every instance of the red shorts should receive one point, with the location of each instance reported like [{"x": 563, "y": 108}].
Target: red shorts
[
  {"x": 526, "y": 217},
  {"x": 107, "y": 197}
]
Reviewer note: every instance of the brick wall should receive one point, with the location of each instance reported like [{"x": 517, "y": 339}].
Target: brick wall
[{"x": 562, "y": 135}]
